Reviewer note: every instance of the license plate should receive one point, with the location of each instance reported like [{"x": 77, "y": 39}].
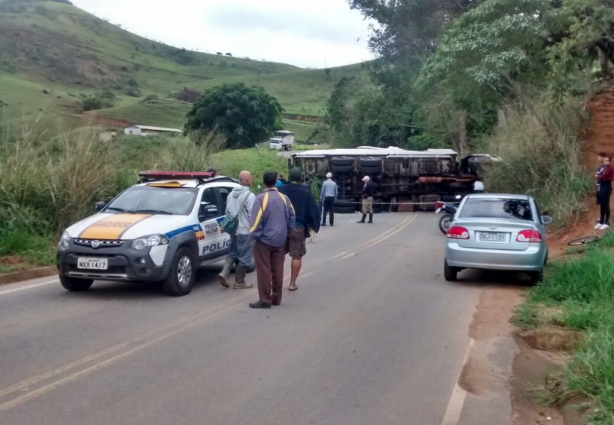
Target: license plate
[
  {"x": 492, "y": 237},
  {"x": 93, "y": 263}
]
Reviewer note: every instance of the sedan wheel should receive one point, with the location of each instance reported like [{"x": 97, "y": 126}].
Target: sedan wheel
[{"x": 449, "y": 273}]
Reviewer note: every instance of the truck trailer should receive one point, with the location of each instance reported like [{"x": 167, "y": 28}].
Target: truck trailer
[{"x": 408, "y": 180}]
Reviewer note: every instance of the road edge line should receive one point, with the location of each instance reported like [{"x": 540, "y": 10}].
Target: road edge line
[{"x": 459, "y": 395}]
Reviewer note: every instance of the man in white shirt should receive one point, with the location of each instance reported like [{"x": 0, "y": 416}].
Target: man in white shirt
[
  {"x": 240, "y": 203},
  {"x": 328, "y": 196}
]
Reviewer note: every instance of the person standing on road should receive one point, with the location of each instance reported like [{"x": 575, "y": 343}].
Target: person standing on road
[
  {"x": 239, "y": 204},
  {"x": 604, "y": 193},
  {"x": 271, "y": 221},
  {"x": 329, "y": 194},
  {"x": 368, "y": 192},
  {"x": 307, "y": 219}
]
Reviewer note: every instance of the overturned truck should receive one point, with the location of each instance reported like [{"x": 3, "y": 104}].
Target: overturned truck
[{"x": 408, "y": 180}]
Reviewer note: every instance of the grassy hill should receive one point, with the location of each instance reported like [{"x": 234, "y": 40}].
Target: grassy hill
[{"x": 53, "y": 55}]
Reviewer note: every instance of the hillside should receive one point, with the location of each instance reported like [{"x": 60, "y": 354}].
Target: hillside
[{"x": 53, "y": 55}]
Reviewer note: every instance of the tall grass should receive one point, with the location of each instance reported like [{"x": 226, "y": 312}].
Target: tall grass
[
  {"x": 47, "y": 185},
  {"x": 584, "y": 289},
  {"x": 541, "y": 150}
]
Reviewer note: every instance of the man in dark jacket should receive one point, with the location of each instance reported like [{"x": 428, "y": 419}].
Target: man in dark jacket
[
  {"x": 368, "y": 192},
  {"x": 307, "y": 219}
]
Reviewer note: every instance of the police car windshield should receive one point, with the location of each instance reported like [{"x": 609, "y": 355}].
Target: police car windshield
[{"x": 155, "y": 200}]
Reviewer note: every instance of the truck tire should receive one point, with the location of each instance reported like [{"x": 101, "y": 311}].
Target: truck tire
[
  {"x": 180, "y": 280},
  {"x": 73, "y": 284},
  {"x": 370, "y": 162},
  {"x": 343, "y": 169},
  {"x": 345, "y": 202},
  {"x": 345, "y": 210},
  {"x": 449, "y": 273},
  {"x": 371, "y": 169},
  {"x": 342, "y": 161}
]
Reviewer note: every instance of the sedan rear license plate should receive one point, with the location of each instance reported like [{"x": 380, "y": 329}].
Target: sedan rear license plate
[
  {"x": 492, "y": 237},
  {"x": 93, "y": 263}
]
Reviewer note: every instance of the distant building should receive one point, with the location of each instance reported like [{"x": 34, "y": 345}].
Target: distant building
[{"x": 145, "y": 130}]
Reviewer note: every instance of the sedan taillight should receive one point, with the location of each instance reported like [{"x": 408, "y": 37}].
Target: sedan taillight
[
  {"x": 457, "y": 232},
  {"x": 531, "y": 236}
]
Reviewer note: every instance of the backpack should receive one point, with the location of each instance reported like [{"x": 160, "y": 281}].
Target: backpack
[{"x": 231, "y": 224}]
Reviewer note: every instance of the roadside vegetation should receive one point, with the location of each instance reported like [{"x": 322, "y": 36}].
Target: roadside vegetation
[
  {"x": 580, "y": 292},
  {"x": 47, "y": 184}
]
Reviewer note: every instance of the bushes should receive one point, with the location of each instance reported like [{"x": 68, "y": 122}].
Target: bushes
[
  {"x": 92, "y": 103},
  {"x": 541, "y": 152}
]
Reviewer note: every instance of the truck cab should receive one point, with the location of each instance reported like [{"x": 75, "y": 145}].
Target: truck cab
[{"x": 282, "y": 141}]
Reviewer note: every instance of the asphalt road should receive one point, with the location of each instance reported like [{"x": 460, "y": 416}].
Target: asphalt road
[{"x": 374, "y": 335}]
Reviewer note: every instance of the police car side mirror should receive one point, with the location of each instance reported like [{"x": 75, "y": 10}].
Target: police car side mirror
[
  {"x": 207, "y": 211},
  {"x": 100, "y": 206}
]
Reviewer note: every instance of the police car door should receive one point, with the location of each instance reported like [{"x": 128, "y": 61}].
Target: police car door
[
  {"x": 211, "y": 243},
  {"x": 223, "y": 193}
]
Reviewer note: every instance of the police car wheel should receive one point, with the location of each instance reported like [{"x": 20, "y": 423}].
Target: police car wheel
[
  {"x": 183, "y": 272},
  {"x": 75, "y": 285}
]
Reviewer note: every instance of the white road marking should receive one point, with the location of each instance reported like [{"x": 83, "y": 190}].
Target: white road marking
[
  {"x": 23, "y": 288},
  {"x": 457, "y": 400}
]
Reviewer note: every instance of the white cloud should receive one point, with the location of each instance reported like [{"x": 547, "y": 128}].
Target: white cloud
[{"x": 290, "y": 31}]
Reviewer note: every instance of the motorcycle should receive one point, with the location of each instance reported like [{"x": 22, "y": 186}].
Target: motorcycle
[{"x": 449, "y": 210}]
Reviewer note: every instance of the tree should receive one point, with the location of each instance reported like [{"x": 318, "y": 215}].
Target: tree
[{"x": 243, "y": 115}]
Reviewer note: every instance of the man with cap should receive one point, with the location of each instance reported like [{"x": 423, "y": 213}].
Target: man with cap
[
  {"x": 368, "y": 192},
  {"x": 307, "y": 218},
  {"x": 328, "y": 197}
]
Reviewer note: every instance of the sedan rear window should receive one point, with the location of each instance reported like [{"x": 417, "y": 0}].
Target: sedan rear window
[{"x": 519, "y": 209}]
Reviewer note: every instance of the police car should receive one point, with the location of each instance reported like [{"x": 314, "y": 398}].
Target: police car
[{"x": 160, "y": 230}]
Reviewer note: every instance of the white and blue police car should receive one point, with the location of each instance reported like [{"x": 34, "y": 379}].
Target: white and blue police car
[{"x": 160, "y": 230}]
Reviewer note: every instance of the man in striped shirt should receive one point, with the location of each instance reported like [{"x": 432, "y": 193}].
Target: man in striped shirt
[{"x": 271, "y": 221}]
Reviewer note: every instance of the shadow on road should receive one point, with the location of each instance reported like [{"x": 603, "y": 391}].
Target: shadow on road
[{"x": 129, "y": 291}]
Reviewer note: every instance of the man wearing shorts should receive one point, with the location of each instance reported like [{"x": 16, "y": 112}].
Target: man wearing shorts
[
  {"x": 307, "y": 220},
  {"x": 368, "y": 192}
]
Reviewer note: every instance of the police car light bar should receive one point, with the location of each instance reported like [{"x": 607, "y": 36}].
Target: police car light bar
[{"x": 201, "y": 175}]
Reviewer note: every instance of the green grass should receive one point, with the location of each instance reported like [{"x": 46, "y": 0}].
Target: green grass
[
  {"x": 159, "y": 113},
  {"x": 231, "y": 163},
  {"x": 301, "y": 92},
  {"x": 69, "y": 53},
  {"x": 583, "y": 288}
]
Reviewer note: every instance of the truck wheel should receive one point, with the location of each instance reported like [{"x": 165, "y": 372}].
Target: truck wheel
[
  {"x": 73, "y": 284},
  {"x": 371, "y": 163},
  {"x": 449, "y": 273},
  {"x": 180, "y": 281},
  {"x": 345, "y": 210},
  {"x": 371, "y": 170},
  {"x": 342, "y": 161},
  {"x": 444, "y": 223},
  {"x": 343, "y": 168}
]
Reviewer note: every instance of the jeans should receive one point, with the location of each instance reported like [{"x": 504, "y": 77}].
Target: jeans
[
  {"x": 241, "y": 248},
  {"x": 328, "y": 206},
  {"x": 604, "y": 201}
]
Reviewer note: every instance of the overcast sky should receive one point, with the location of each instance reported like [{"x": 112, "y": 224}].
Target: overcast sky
[{"x": 298, "y": 32}]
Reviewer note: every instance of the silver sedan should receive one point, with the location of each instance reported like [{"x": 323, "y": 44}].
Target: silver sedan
[{"x": 497, "y": 232}]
